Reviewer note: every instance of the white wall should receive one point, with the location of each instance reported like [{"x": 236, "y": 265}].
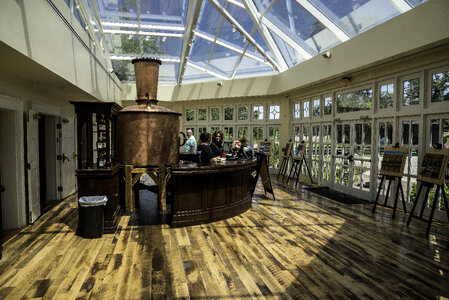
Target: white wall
[{"x": 11, "y": 131}]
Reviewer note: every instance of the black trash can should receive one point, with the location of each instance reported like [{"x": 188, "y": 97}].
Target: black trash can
[{"x": 91, "y": 216}]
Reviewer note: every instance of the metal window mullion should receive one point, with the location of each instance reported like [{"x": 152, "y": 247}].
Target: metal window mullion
[
  {"x": 90, "y": 30},
  {"x": 191, "y": 22},
  {"x": 242, "y": 31},
  {"x": 215, "y": 39},
  {"x": 285, "y": 37},
  {"x": 323, "y": 19},
  {"x": 266, "y": 35},
  {"x": 241, "y": 56},
  {"x": 401, "y": 5}
]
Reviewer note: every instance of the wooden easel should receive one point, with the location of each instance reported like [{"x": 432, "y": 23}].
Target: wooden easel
[
  {"x": 286, "y": 156},
  {"x": 264, "y": 173},
  {"x": 428, "y": 186},
  {"x": 398, "y": 189},
  {"x": 431, "y": 173},
  {"x": 297, "y": 167},
  {"x": 392, "y": 169}
]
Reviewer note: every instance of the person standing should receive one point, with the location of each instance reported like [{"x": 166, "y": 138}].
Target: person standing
[
  {"x": 190, "y": 145},
  {"x": 217, "y": 143}
]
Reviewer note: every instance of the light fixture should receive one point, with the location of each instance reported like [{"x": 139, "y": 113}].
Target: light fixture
[
  {"x": 164, "y": 39},
  {"x": 219, "y": 83},
  {"x": 130, "y": 36},
  {"x": 234, "y": 29},
  {"x": 327, "y": 54},
  {"x": 147, "y": 38},
  {"x": 244, "y": 39},
  {"x": 77, "y": 6},
  {"x": 345, "y": 81}
]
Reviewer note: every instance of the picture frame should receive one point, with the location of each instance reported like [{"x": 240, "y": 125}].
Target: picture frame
[
  {"x": 433, "y": 166},
  {"x": 393, "y": 162}
]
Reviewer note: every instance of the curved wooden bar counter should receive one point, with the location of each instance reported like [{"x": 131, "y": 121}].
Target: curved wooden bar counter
[{"x": 207, "y": 193}]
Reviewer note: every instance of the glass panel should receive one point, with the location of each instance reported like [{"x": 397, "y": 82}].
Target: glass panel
[
  {"x": 381, "y": 133},
  {"x": 190, "y": 114},
  {"x": 167, "y": 12},
  {"x": 410, "y": 95},
  {"x": 243, "y": 113},
  {"x": 223, "y": 61},
  {"x": 297, "y": 110},
  {"x": 229, "y": 113},
  {"x": 316, "y": 107},
  {"x": 367, "y": 133},
  {"x": 258, "y": 112},
  {"x": 228, "y": 133},
  {"x": 275, "y": 112},
  {"x": 356, "y": 16},
  {"x": 327, "y": 106},
  {"x": 305, "y": 109},
  {"x": 354, "y": 101},
  {"x": 339, "y": 134},
  {"x": 405, "y": 132},
  {"x": 434, "y": 132},
  {"x": 215, "y": 114},
  {"x": 242, "y": 132},
  {"x": 347, "y": 133},
  {"x": 358, "y": 133},
  {"x": 445, "y": 139},
  {"x": 202, "y": 114},
  {"x": 250, "y": 68},
  {"x": 297, "y": 134},
  {"x": 440, "y": 87},
  {"x": 386, "y": 96},
  {"x": 389, "y": 133},
  {"x": 415, "y": 132}
]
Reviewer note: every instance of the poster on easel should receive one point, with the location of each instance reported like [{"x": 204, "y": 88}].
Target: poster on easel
[
  {"x": 433, "y": 166},
  {"x": 299, "y": 151},
  {"x": 265, "y": 147},
  {"x": 393, "y": 162},
  {"x": 287, "y": 150}
]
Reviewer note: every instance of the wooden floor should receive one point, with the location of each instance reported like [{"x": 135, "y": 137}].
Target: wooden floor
[{"x": 300, "y": 246}]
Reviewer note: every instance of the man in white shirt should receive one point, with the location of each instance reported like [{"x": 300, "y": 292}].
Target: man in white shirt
[{"x": 190, "y": 145}]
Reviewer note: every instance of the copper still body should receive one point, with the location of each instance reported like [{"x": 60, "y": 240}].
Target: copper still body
[{"x": 147, "y": 134}]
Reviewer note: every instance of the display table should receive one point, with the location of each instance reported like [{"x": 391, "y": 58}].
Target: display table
[{"x": 206, "y": 193}]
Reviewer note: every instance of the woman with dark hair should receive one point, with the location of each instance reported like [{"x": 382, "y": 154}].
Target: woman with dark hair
[
  {"x": 206, "y": 151},
  {"x": 217, "y": 143}
]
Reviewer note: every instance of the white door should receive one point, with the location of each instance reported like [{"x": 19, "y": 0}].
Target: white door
[
  {"x": 67, "y": 143},
  {"x": 34, "y": 204}
]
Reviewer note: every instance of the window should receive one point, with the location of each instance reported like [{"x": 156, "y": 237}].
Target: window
[
  {"x": 242, "y": 132},
  {"x": 327, "y": 109},
  {"x": 275, "y": 112},
  {"x": 410, "y": 94},
  {"x": 201, "y": 130},
  {"x": 229, "y": 113},
  {"x": 190, "y": 115},
  {"x": 297, "y": 111},
  {"x": 243, "y": 113},
  {"x": 440, "y": 87},
  {"x": 258, "y": 112},
  {"x": 202, "y": 114},
  {"x": 386, "y": 95},
  {"x": 213, "y": 129},
  {"x": 305, "y": 109},
  {"x": 316, "y": 107},
  {"x": 228, "y": 133},
  {"x": 215, "y": 114},
  {"x": 354, "y": 101}
]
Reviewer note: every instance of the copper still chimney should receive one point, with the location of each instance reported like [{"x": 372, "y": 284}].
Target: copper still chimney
[{"x": 147, "y": 133}]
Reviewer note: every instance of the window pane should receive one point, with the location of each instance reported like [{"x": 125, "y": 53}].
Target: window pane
[
  {"x": 275, "y": 112},
  {"x": 440, "y": 87},
  {"x": 434, "y": 132},
  {"x": 367, "y": 133},
  {"x": 202, "y": 114},
  {"x": 215, "y": 114},
  {"x": 190, "y": 114},
  {"x": 258, "y": 112},
  {"x": 354, "y": 101},
  {"x": 386, "y": 96},
  {"x": 327, "y": 106},
  {"x": 229, "y": 114},
  {"x": 410, "y": 95},
  {"x": 305, "y": 110},
  {"x": 358, "y": 133},
  {"x": 316, "y": 107},
  {"x": 297, "y": 110},
  {"x": 243, "y": 113}
]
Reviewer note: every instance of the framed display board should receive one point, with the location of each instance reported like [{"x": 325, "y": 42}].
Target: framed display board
[
  {"x": 299, "y": 151},
  {"x": 287, "y": 150},
  {"x": 433, "y": 166},
  {"x": 265, "y": 147},
  {"x": 265, "y": 174},
  {"x": 393, "y": 162}
]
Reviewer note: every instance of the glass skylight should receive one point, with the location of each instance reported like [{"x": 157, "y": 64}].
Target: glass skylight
[{"x": 205, "y": 40}]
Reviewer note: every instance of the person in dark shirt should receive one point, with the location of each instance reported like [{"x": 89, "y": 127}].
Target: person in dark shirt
[
  {"x": 206, "y": 152},
  {"x": 217, "y": 143}
]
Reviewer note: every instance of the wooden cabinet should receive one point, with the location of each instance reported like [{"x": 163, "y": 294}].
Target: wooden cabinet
[{"x": 98, "y": 170}]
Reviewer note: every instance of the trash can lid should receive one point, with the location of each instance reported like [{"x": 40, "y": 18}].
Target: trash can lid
[{"x": 87, "y": 201}]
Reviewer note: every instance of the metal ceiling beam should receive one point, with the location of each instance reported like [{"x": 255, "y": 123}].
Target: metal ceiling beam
[
  {"x": 243, "y": 32},
  {"x": 266, "y": 35},
  {"x": 144, "y": 33},
  {"x": 323, "y": 19},
  {"x": 401, "y": 5},
  {"x": 191, "y": 22},
  {"x": 144, "y": 26},
  {"x": 207, "y": 71}
]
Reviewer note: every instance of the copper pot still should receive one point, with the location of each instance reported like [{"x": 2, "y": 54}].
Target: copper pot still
[{"x": 147, "y": 134}]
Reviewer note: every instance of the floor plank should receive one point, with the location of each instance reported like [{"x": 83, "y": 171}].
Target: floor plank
[{"x": 298, "y": 246}]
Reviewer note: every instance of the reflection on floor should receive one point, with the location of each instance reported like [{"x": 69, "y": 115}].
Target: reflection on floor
[{"x": 300, "y": 245}]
